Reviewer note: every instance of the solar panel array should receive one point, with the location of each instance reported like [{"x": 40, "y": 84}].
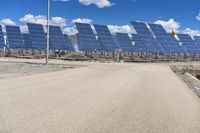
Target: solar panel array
[
  {"x": 37, "y": 36},
  {"x": 105, "y": 38},
  {"x": 27, "y": 41},
  {"x": 149, "y": 38},
  {"x": 151, "y": 44},
  {"x": 2, "y": 45},
  {"x": 189, "y": 44},
  {"x": 14, "y": 37},
  {"x": 168, "y": 41},
  {"x": 87, "y": 40}
]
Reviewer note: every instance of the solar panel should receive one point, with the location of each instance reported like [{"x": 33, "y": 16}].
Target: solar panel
[
  {"x": 152, "y": 44},
  {"x": 138, "y": 43},
  {"x": 189, "y": 44},
  {"x": 57, "y": 39},
  {"x": 141, "y": 28},
  {"x": 167, "y": 40},
  {"x": 14, "y": 37},
  {"x": 87, "y": 40},
  {"x": 197, "y": 40},
  {"x": 157, "y": 29},
  {"x": 2, "y": 45},
  {"x": 125, "y": 42},
  {"x": 27, "y": 41},
  {"x": 69, "y": 43},
  {"x": 37, "y": 35},
  {"x": 105, "y": 38}
]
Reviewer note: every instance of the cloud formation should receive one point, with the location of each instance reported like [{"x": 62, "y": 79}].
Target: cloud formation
[
  {"x": 192, "y": 32},
  {"x": 83, "y": 20},
  {"x": 70, "y": 29},
  {"x": 121, "y": 29},
  {"x": 98, "y": 3},
  {"x": 169, "y": 25},
  {"x": 198, "y": 16},
  {"x": 41, "y": 19},
  {"x": 7, "y": 21}
]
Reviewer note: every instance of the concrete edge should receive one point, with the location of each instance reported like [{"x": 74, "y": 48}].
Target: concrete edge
[{"x": 192, "y": 82}]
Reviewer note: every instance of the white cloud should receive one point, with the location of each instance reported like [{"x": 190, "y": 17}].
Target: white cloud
[
  {"x": 70, "y": 30},
  {"x": 169, "y": 25},
  {"x": 98, "y": 3},
  {"x": 24, "y": 28},
  {"x": 82, "y": 20},
  {"x": 198, "y": 16},
  {"x": 174, "y": 25},
  {"x": 120, "y": 29},
  {"x": 29, "y": 18},
  {"x": 41, "y": 19},
  {"x": 7, "y": 21},
  {"x": 192, "y": 32},
  {"x": 58, "y": 21}
]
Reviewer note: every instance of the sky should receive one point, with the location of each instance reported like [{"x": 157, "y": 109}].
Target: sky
[{"x": 180, "y": 15}]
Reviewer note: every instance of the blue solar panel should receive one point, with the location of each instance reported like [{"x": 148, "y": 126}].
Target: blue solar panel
[
  {"x": 189, "y": 44},
  {"x": 197, "y": 40},
  {"x": 69, "y": 43},
  {"x": 14, "y": 37},
  {"x": 141, "y": 28},
  {"x": 37, "y": 35},
  {"x": 2, "y": 45},
  {"x": 27, "y": 41},
  {"x": 138, "y": 43},
  {"x": 84, "y": 29},
  {"x": 87, "y": 40},
  {"x": 168, "y": 41},
  {"x": 125, "y": 42},
  {"x": 105, "y": 38},
  {"x": 151, "y": 43},
  {"x": 57, "y": 39},
  {"x": 158, "y": 30}
]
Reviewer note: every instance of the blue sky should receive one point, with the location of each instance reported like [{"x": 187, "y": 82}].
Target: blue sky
[{"x": 182, "y": 15}]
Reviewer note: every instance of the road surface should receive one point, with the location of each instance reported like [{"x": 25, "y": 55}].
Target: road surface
[{"x": 100, "y": 98}]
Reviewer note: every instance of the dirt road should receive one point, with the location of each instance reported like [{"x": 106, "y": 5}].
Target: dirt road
[{"x": 100, "y": 98}]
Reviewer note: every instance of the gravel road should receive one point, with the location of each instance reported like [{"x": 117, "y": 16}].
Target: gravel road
[{"x": 100, "y": 98}]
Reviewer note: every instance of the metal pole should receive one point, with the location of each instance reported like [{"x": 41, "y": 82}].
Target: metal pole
[{"x": 48, "y": 21}]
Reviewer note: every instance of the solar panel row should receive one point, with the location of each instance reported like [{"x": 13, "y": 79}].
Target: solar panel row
[
  {"x": 168, "y": 41},
  {"x": 190, "y": 45},
  {"x": 151, "y": 44},
  {"x": 149, "y": 38}
]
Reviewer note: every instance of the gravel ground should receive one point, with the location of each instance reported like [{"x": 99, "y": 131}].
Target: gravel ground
[{"x": 16, "y": 69}]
